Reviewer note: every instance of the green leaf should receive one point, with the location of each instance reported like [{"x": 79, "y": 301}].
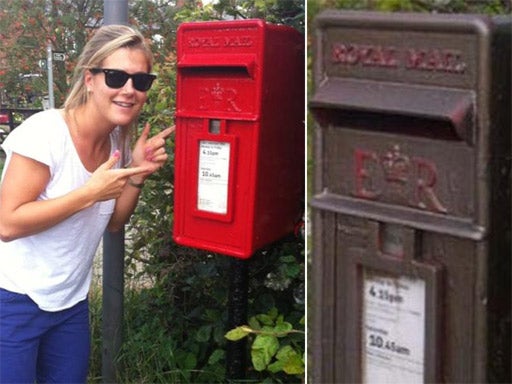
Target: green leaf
[
  {"x": 216, "y": 356},
  {"x": 276, "y": 366},
  {"x": 203, "y": 333},
  {"x": 265, "y": 319},
  {"x": 263, "y": 349},
  {"x": 293, "y": 270},
  {"x": 186, "y": 360},
  {"x": 294, "y": 366},
  {"x": 288, "y": 259},
  {"x": 285, "y": 353},
  {"x": 292, "y": 362},
  {"x": 254, "y": 323},
  {"x": 283, "y": 328},
  {"x": 273, "y": 312},
  {"x": 238, "y": 333}
]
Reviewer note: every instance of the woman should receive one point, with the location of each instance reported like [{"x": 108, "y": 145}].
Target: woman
[{"x": 68, "y": 176}]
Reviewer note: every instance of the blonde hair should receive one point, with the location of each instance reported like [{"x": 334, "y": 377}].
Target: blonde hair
[{"x": 105, "y": 41}]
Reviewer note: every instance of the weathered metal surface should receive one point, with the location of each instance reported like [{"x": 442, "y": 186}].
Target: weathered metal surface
[{"x": 412, "y": 191}]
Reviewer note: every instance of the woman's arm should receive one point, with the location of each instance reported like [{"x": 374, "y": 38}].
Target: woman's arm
[{"x": 21, "y": 214}]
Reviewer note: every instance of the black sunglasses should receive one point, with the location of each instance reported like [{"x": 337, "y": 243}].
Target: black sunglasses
[{"x": 115, "y": 78}]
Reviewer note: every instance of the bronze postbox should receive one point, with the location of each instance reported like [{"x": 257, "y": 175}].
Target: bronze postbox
[{"x": 411, "y": 203}]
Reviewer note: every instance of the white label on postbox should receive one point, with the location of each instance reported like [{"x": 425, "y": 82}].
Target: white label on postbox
[
  {"x": 393, "y": 329},
  {"x": 212, "y": 191}
]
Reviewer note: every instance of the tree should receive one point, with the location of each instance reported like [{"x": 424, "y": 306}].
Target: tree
[{"x": 28, "y": 26}]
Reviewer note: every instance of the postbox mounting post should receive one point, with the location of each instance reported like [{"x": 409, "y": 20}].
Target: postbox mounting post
[{"x": 236, "y": 354}]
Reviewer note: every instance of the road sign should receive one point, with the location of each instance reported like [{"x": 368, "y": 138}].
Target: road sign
[{"x": 59, "y": 56}]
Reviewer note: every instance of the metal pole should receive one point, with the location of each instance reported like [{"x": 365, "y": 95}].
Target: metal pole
[
  {"x": 113, "y": 295},
  {"x": 49, "y": 64},
  {"x": 236, "y": 353},
  {"x": 115, "y": 12}
]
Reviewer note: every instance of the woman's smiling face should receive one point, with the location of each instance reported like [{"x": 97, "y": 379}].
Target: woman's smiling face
[{"x": 122, "y": 105}]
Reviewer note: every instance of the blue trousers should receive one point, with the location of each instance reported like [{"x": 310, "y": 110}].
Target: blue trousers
[{"x": 42, "y": 347}]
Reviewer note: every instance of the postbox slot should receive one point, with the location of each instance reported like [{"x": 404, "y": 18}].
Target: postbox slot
[
  {"x": 217, "y": 66},
  {"x": 389, "y": 123},
  {"x": 402, "y": 108},
  {"x": 219, "y": 71}
]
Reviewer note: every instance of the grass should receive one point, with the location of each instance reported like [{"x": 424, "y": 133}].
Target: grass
[
  {"x": 150, "y": 353},
  {"x": 95, "y": 305}
]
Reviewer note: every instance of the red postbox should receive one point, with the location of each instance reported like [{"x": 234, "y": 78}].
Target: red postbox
[{"x": 239, "y": 158}]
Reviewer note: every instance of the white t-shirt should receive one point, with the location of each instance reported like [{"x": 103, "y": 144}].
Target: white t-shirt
[{"x": 54, "y": 267}]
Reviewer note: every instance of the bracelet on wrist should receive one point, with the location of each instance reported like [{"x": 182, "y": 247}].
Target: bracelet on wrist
[{"x": 134, "y": 184}]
